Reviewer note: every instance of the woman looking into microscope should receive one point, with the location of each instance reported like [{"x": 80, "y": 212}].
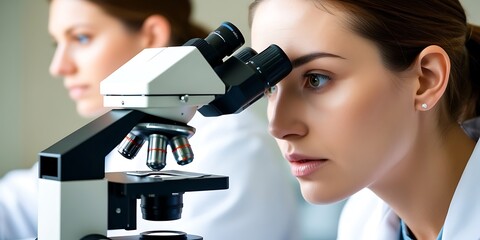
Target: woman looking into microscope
[
  {"x": 94, "y": 38},
  {"x": 378, "y": 98}
]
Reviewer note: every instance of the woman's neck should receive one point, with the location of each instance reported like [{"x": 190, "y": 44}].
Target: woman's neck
[{"x": 421, "y": 187}]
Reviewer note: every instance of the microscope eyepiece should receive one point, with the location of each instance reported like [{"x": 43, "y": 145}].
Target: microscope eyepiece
[
  {"x": 246, "y": 78},
  {"x": 272, "y": 63},
  {"x": 226, "y": 39},
  {"x": 220, "y": 43},
  {"x": 245, "y": 54}
]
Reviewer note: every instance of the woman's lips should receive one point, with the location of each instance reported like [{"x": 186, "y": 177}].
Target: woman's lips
[
  {"x": 77, "y": 92},
  {"x": 301, "y": 167}
]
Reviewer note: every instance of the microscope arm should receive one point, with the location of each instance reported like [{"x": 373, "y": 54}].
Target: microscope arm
[{"x": 81, "y": 155}]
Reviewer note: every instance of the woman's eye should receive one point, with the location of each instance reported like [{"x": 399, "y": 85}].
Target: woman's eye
[
  {"x": 82, "y": 38},
  {"x": 316, "y": 81},
  {"x": 269, "y": 91}
]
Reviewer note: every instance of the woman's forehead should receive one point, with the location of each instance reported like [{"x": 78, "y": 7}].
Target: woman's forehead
[{"x": 282, "y": 21}]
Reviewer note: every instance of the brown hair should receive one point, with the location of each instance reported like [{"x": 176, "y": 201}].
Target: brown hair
[
  {"x": 402, "y": 29},
  {"x": 134, "y": 12}
]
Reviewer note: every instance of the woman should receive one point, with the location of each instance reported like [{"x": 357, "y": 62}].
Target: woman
[
  {"x": 94, "y": 38},
  {"x": 374, "y": 101}
]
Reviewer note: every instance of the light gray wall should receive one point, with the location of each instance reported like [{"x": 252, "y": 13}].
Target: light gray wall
[
  {"x": 472, "y": 7},
  {"x": 35, "y": 109},
  {"x": 10, "y": 87}
]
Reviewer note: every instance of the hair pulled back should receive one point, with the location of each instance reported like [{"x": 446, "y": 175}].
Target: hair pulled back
[{"x": 134, "y": 12}]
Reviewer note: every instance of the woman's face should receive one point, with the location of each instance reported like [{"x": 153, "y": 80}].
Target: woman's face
[
  {"x": 90, "y": 46},
  {"x": 341, "y": 119}
]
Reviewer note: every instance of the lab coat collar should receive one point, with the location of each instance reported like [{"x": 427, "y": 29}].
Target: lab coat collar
[
  {"x": 376, "y": 220},
  {"x": 463, "y": 215}
]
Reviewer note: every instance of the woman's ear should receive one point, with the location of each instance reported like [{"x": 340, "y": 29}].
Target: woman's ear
[
  {"x": 433, "y": 67},
  {"x": 156, "y": 30}
]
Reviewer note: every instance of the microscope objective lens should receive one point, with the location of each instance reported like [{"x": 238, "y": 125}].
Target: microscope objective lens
[
  {"x": 157, "y": 151},
  {"x": 181, "y": 150},
  {"x": 130, "y": 145}
]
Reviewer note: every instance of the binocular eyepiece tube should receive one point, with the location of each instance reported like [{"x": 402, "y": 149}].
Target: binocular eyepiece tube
[{"x": 219, "y": 44}]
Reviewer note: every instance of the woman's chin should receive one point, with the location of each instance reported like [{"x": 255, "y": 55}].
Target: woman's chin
[{"x": 317, "y": 195}]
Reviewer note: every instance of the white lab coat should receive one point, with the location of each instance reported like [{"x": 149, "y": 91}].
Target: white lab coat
[
  {"x": 366, "y": 216},
  {"x": 259, "y": 204},
  {"x": 18, "y": 204}
]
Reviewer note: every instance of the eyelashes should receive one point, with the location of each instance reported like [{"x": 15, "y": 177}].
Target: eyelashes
[
  {"x": 269, "y": 91},
  {"x": 314, "y": 81}
]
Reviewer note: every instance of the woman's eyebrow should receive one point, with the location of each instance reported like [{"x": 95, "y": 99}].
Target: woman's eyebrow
[{"x": 310, "y": 57}]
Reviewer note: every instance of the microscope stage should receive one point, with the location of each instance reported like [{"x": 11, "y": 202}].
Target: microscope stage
[{"x": 163, "y": 182}]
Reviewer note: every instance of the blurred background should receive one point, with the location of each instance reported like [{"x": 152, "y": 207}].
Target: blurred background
[{"x": 35, "y": 110}]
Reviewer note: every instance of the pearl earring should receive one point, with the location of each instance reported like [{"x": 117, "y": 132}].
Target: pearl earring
[{"x": 424, "y": 106}]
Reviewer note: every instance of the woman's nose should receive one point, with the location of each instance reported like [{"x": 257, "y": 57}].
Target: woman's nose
[
  {"x": 62, "y": 64},
  {"x": 285, "y": 116}
]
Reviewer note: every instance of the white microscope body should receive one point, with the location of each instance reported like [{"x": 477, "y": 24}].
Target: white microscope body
[
  {"x": 171, "y": 82},
  {"x": 157, "y": 85}
]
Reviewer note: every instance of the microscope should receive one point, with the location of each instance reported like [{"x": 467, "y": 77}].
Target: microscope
[{"x": 153, "y": 96}]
